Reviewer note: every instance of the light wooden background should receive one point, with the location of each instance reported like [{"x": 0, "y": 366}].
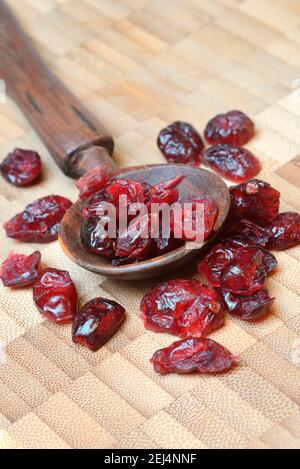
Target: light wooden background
[{"x": 138, "y": 65}]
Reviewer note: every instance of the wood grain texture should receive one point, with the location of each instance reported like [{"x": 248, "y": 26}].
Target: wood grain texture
[{"x": 138, "y": 67}]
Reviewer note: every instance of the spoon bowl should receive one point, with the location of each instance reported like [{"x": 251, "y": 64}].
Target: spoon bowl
[{"x": 197, "y": 182}]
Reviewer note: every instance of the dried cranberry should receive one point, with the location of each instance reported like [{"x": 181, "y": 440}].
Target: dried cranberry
[
  {"x": 135, "y": 242},
  {"x": 91, "y": 182},
  {"x": 187, "y": 217},
  {"x": 255, "y": 201},
  {"x": 162, "y": 245},
  {"x": 95, "y": 238},
  {"x": 21, "y": 167},
  {"x": 235, "y": 163},
  {"x": 19, "y": 270},
  {"x": 248, "y": 307},
  {"x": 233, "y": 128},
  {"x": 185, "y": 356},
  {"x": 39, "y": 221},
  {"x": 181, "y": 143},
  {"x": 186, "y": 308},
  {"x": 284, "y": 231},
  {"x": 238, "y": 269},
  {"x": 95, "y": 205},
  {"x": 247, "y": 233},
  {"x": 134, "y": 191},
  {"x": 55, "y": 295},
  {"x": 96, "y": 322}
]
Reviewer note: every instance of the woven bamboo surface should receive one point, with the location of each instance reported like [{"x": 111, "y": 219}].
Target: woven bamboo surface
[{"x": 138, "y": 65}]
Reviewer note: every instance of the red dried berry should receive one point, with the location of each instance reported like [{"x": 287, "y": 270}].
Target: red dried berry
[
  {"x": 96, "y": 322},
  {"x": 247, "y": 233},
  {"x": 255, "y": 201},
  {"x": 39, "y": 222},
  {"x": 135, "y": 242},
  {"x": 134, "y": 191},
  {"x": 233, "y": 128},
  {"x": 235, "y": 163},
  {"x": 181, "y": 143},
  {"x": 55, "y": 295},
  {"x": 95, "y": 205},
  {"x": 21, "y": 167},
  {"x": 95, "y": 238},
  {"x": 161, "y": 245},
  {"x": 284, "y": 231},
  {"x": 186, "y": 308},
  {"x": 91, "y": 182},
  {"x": 248, "y": 307},
  {"x": 19, "y": 270},
  {"x": 185, "y": 356},
  {"x": 186, "y": 219},
  {"x": 238, "y": 269}
]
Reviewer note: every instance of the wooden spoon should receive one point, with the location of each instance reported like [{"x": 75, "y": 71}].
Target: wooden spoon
[{"x": 78, "y": 142}]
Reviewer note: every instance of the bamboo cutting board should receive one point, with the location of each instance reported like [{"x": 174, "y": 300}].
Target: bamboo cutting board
[{"x": 139, "y": 65}]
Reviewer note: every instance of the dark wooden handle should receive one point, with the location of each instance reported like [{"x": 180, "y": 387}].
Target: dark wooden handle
[{"x": 72, "y": 134}]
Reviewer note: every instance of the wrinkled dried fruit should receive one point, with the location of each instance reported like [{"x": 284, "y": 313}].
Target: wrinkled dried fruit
[
  {"x": 187, "y": 217},
  {"x": 96, "y": 240},
  {"x": 233, "y": 128},
  {"x": 21, "y": 167},
  {"x": 238, "y": 269},
  {"x": 248, "y": 307},
  {"x": 55, "y": 295},
  {"x": 96, "y": 322},
  {"x": 134, "y": 191},
  {"x": 19, "y": 270},
  {"x": 39, "y": 222},
  {"x": 247, "y": 233},
  {"x": 181, "y": 143},
  {"x": 255, "y": 201},
  {"x": 135, "y": 242},
  {"x": 93, "y": 181},
  {"x": 186, "y": 308},
  {"x": 95, "y": 204},
  {"x": 284, "y": 231},
  {"x": 184, "y": 356},
  {"x": 161, "y": 246},
  {"x": 235, "y": 163}
]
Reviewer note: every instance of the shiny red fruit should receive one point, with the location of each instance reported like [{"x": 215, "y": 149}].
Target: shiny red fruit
[
  {"x": 248, "y": 307},
  {"x": 186, "y": 218},
  {"x": 19, "y": 270},
  {"x": 247, "y": 233},
  {"x": 238, "y": 269},
  {"x": 39, "y": 222},
  {"x": 255, "y": 200},
  {"x": 93, "y": 181},
  {"x": 55, "y": 295},
  {"x": 233, "y": 128},
  {"x": 186, "y": 308},
  {"x": 96, "y": 322},
  {"x": 21, "y": 167},
  {"x": 135, "y": 242},
  {"x": 181, "y": 143},
  {"x": 96, "y": 239},
  {"x": 185, "y": 356},
  {"x": 284, "y": 231},
  {"x": 235, "y": 163}
]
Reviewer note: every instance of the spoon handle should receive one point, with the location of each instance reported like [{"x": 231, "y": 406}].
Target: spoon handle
[{"x": 74, "y": 137}]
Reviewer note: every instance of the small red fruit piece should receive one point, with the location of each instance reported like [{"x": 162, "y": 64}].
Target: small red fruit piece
[
  {"x": 135, "y": 241},
  {"x": 39, "y": 222},
  {"x": 233, "y": 128},
  {"x": 186, "y": 220},
  {"x": 248, "y": 307},
  {"x": 238, "y": 269},
  {"x": 19, "y": 270},
  {"x": 55, "y": 295},
  {"x": 247, "y": 233},
  {"x": 181, "y": 143},
  {"x": 21, "y": 167},
  {"x": 95, "y": 205},
  {"x": 183, "y": 307},
  {"x": 96, "y": 322},
  {"x": 185, "y": 356},
  {"x": 91, "y": 182},
  {"x": 255, "y": 201},
  {"x": 284, "y": 231},
  {"x": 95, "y": 238},
  {"x": 235, "y": 163},
  {"x": 133, "y": 190}
]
